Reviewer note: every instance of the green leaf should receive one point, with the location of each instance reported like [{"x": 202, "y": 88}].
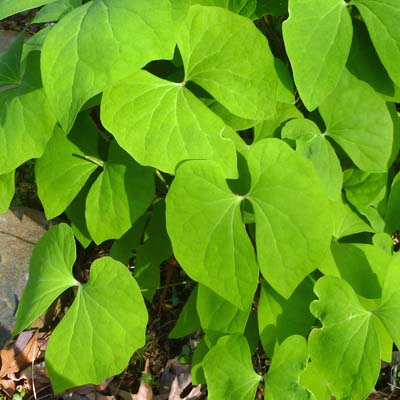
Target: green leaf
[
  {"x": 168, "y": 124},
  {"x": 314, "y": 146},
  {"x": 207, "y": 233},
  {"x": 364, "y": 62},
  {"x": 123, "y": 248},
  {"x": 381, "y": 19},
  {"x": 238, "y": 49},
  {"x": 289, "y": 361},
  {"x": 279, "y": 318},
  {"x": 271, "y": 127},
  {"x": 345, "y": 221},
  {"x": 292, "y": 236},
  {"x": 243, "y": 7},
  {"x": 388, "y": 311},
  {"x": 312, "y": 380},
  {"x": 229, "y": 371},
  {"x": 11, "y": 7},
  {"x": 93, "y": 47},
  {"x": 119, "y": 196},
  {"x": 218, "y": 317},
  {"x": 366, "y": 191},
  {"x": 104, "y": 326},
  {"x": 392, "y": 217},
  {"x": 317, "y": 39},
  {"x": 7, "y": 188},
  {"x": 196, "y": 370},
  {"x": 63, "y": 169},
  {"x": 10, "y": 62},
  {"x": 155, "y": 249},
  {"x": 188, "y": 321},
  {"x": 346, "y": 349},
  {"x": 363, "y": 266},
  {"x": 357, "y": 118},
  {"x": 22, "y": 134},
  {"x": 50, "y": 274},
  {"x": 276, "y": 7},
  {"x": 55, "y": 11}
]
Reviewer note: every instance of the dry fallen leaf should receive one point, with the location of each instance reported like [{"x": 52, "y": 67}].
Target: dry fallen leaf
[
  {"x": 7, "y": 386},
  {"x": 145, "y": 392}
]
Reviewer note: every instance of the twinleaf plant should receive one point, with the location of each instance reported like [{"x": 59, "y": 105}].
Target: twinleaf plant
[{"x": 256, "y": 141}]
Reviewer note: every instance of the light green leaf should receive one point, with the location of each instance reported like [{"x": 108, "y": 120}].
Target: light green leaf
[
  {"x": 218, "y": 317},
  {"x": 363, "y": 266},
  {"x": 50, "y": 274},
  {"x": 345, "y": 221},
  {"x": 383, "y": 241},
  {"x": 366, "y": 191},
  {"x": 10, "y": 62},
  {"x": 188, "y": 321},
  {"x": 196, "y": 370},
  {"x": 381, "y": 18},
  {"x": 94, "y": 46},
  {"x": 289, "y": 361},
  {"x": 161, "y": 123},
  {"x": 312, "y": 380},
  {"x": 118, "y": 197},
  {"x": 389, "y": 309},
  {"x": 357, "y": 118},
  {"x": 292, "y": 236},
  {"x": 11, "y": 7},
  {"x": 104, "y": 326},
  {"x": 239, "y": 72},
  {"x": 229, "y": 371},
  {"x": 279, "y": 318},
  {"x": 314, "y": 146},
  {"x": 271, "y": 127},
  {"x": 22, "y": 134},
  {"x": 207, "y": 233},
  {"x": 7, "y": 188},
  {"x": 63, "y": 169},
  {"x": 317, "y": 39},
  {"x": 364, "y": 62},
  {"x": 155, "y": 249},
  {"x": 243, "y": 7},
  {"x": 55, "y": 11},
  {"x": 346, "y": 349}
]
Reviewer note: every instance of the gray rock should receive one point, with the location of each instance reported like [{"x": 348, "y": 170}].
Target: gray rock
[{"x": 20, "y": 229}]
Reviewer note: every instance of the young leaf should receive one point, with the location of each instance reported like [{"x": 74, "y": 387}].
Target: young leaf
[
  {"x": 104, "y": 326},
  {"x": 346, "y": 349},
  {"x": 50, "y": 274},
  {"x": 243, "y": 7},
  {"x": 358, "y": 119},
  {"x": 119, "y": 196},
  {"x": 317, "y": 39},
  {"x": 219, "y": 317},
  {"x": 229, "y": 371},
  {"x": 207, "y": 232},
  {"x": 293, "y": 220},
  {"x": 289, "y": 361},
  {"x": 7, "y": 188},
  {"x": 381, "y": 19},
  {"x": 22, "y": 134},
  {"x": 95, "y": 46},
  {"x": 237, "y": 50},
  {"x": 161, "y": 123},
  {"x": 10, "y": 62},
  {"x": 11, "y": 7},
  {"x": 312, "y": 380},
  {"x": 279, "y": 318}
]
